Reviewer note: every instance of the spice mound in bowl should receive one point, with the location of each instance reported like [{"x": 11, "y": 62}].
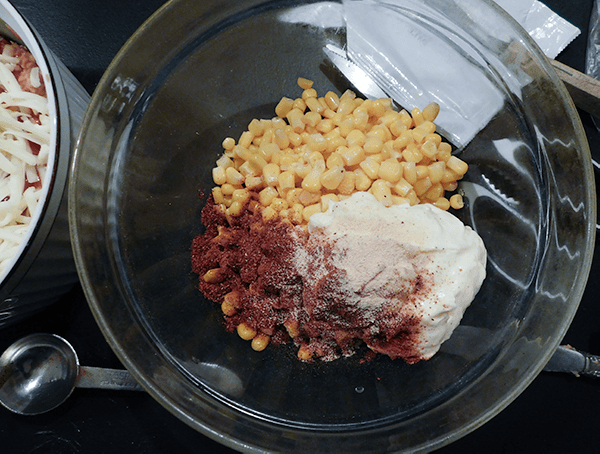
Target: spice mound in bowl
[{"x": 328, "y": 229}]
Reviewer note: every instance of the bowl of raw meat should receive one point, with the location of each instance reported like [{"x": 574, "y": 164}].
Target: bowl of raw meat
[
  {"x": 42, "y": 106},
  {"x": 355, "y": 226}
]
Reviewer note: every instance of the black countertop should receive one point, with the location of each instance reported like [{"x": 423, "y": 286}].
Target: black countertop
[{"x": 557, "y": 413}]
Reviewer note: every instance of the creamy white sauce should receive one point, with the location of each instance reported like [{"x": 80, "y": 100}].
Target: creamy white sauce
[{"x": 382, "y": 250}]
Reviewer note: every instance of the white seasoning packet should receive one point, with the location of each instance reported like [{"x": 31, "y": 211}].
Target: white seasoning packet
[
  {"x": 550, "y": 31},
  {"x": 390, "y": 54},
  {"x": 413, "y": 66}
]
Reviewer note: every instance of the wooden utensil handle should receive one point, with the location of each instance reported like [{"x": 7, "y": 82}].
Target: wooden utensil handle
[{"x": 584, "y": 89}]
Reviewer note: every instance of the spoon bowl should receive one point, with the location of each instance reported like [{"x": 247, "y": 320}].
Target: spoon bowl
[{"x": 37, "y": 374}]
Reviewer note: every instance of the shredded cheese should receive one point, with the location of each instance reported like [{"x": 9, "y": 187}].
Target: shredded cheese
[{"x": 25, "y": 130}]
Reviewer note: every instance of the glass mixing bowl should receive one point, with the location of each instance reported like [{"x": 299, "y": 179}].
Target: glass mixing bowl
[{"x": 197, "y": 72}]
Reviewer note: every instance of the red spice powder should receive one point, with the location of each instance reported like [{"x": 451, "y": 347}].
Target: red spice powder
[{"x": 256, "y": 259}]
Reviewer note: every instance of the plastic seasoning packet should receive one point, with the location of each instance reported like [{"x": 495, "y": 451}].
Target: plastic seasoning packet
[
  {"x": 390, "y": 52},
  {"x": 388, "y": 40}
]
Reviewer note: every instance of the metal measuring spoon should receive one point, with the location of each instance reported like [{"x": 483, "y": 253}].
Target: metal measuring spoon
[{"x": 39, "y": 372}]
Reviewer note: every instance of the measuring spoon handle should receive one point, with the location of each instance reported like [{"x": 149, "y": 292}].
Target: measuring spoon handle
[{"x": 101, "y": 378}]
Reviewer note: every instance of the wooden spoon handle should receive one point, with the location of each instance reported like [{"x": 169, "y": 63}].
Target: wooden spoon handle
[{"x": 584, "y": 89}]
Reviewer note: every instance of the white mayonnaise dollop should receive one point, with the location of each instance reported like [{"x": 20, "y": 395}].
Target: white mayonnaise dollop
[{"x": 383, "y": 250}]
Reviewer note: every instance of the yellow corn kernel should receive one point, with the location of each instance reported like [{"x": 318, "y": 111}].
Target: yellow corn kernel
[
  {"x": 253, "y": 182},
  {"x": 304, "y": 353},
  {"x": 295, "y": 139},
  {"x": 431, "y": 111},
  {"x": 332, "y": 100},
  {"x": 286, "y": 180},
  {"x": 419, "y": 135},
  {"x": 283, "y": 107},
  {"x": 293, "y": 196},
  {"x": 442, "y": 203},
  {"x": 307, "y": 198},
  {"x": 248, "y": 170},
  {"x": 457, "y": 202},
  {"x": 317, "y": 142},
  {"x": 257, "y": 162},
  {"x": 314, "y": 105},
  {"x": 434, "y": 192},
  {"x": 398, "y": 127},
  {"x": 217, "y": 194},
  {"x": 268, "y": 214},
  {"x": 295, "y": 213},
  {"x": 390, "y": 170},
  {"x": 224, "y": 161},
  {"x": 334, "y": 141},
  {"x": 450, "y": 176},
  {"x": 371, "y": 167},
  {"x": 219, "y": 176},
  {"x": 281, "y": 139},
  {"x": 232, "y": 298},
  {"x": 436, "y": 171},
  {"x": 308, "y": 211},
  {"x": 422, "y": 171},
  {"x": 334, "y": 160},
  {"x": 214, "y": 276},
  {"x": 270, "y": 173},
  {"x": 304, "y": 83},
  {"x": 458, "y": 165},
  {"x": 411, "y": 153},
  {"x": 240, "y": 195},
  {"x": 381, "y": 190},
  {"x": 233, "y": 176},
  {"x": 279, "y": 204},
  {"x": 406, "y": 119},
  {"x": 228, "y": 309},
  {"x": 444, "y": 152},
  {"x": 402, "y": 188},
  {"x": 361, "y": 121},
  {"x": 299, "y": 104},
  {"x": 235, "y": 208},
  {"x": 356, "y": 137},
  {"x": 381, "y": 132},
  {"x": 228, "y": 143},
  {"x": 332, "y": 178},
  {"x": 352, "y": 155},
  {"x": 242, "y": 152},
  {"x": 294, "y": 118},
  {"x": 312, "y": 118},
  {"x": 346, "y": 186},
  {"x": 421, "y": 186},
  {"x": 246, "y": 139},
  {"x": 256, "y": 128},
  {"x": 362, "y": 182},
  {"x": 403, "y": 140},
  {"x": 312, "y": 181},
  {"x": 325, "y": 125},
  {"x": 260, "y": 342},
  {"x": 245, "y": 331},
  {"x": 346, "y": 126},
  {"x": 429, "y": 149},
  {"x": 266, "y": 196},
  {"x": 373, "y": 145},
  {"x": 412, "y": 197},
  {"x": 450, "y": 186},
  {"x": 417, "y": 116},
  {"x": 397, "y": 200}
]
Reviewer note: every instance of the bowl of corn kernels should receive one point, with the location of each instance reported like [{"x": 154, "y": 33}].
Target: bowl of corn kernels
[{"x": 354, "y": 226}]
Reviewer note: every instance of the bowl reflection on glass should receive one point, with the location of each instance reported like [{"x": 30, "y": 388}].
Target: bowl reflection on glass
[{"x": 148, "y": 145}]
